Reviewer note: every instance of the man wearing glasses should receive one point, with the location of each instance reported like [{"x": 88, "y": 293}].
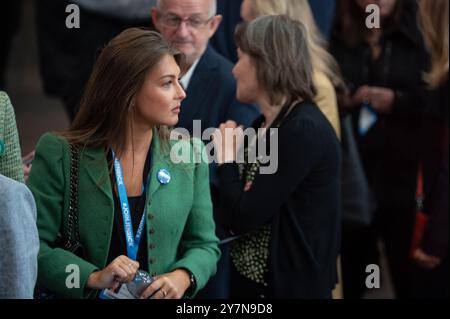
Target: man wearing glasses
[{"x": 210, "y": 88}]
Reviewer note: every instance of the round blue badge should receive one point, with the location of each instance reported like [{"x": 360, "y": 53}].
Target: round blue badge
[{"x": 164, "y": 176}]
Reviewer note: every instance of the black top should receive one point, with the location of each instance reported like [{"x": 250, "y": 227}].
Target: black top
[
  {"x": 137, "y": 205},
  {"x": 300, "y": 201},
  {"x": 435, "y": 163},
  {"x": 390, "y": 149}
]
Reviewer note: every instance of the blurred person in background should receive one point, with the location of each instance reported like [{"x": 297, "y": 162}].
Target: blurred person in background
[
  {"x": 383, "y": 70},
  {"x": 67, "y": 56},
  {"x": 223, "y": 40},
  {"x": 323, "y": 11},
  {"x": 432, "y": 254},
  {"x": 10, "y": 18}
]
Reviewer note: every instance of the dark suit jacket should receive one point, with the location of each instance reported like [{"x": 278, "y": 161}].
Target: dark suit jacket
[
  {"x": 323, "y": 11},
  {"x": 223, "y": 40},
  {"x": 211, "y": 95},
  {"x": 211, "y": 98}
]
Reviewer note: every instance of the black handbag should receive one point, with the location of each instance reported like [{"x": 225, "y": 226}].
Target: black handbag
[
  {"x": 357, "y": 200},
  {"x": 69, "y": 238}
]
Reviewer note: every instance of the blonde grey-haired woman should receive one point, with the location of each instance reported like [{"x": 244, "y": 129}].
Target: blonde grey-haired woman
[
  {"x": 289, "y": 220},
  {"x": 326, "y": 76}
]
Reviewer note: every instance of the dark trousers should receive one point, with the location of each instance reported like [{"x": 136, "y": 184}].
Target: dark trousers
[
  {"x": 358, "y": 250},
  {"x": 393, "y": 225}
]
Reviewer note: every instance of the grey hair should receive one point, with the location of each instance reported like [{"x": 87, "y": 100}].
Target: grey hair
[
  {"x": 279, "y": 48},
  {"x": 212, "y": 11}
]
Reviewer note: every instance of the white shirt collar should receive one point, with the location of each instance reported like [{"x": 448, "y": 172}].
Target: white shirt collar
[{"x": 187, "y": 77}]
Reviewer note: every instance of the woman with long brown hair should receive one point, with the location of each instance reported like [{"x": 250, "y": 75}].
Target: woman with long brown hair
[{"x": 137, "y": 209}]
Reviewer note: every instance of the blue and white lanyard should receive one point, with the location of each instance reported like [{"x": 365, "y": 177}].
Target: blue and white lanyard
[{"x": 131, "y": 241}]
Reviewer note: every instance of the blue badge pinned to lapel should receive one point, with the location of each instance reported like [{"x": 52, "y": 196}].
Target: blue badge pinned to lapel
[
  {"x": 2, "y": 147},
  {"x": 164, "y": 176}
]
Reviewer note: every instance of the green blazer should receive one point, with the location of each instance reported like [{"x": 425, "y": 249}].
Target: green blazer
[{"x": 179, "y": 223}]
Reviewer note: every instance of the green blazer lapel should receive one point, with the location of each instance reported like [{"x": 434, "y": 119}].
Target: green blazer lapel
[
  {"x": 160, "y": 160},
  {"x": 97, "y": 204},
  {"x": 97, "y": 169}
]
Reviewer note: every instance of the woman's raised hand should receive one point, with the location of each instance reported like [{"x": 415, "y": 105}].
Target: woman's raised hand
[
  {"x": 228, "y": 139},
  {"x": 121, "y": 270}
]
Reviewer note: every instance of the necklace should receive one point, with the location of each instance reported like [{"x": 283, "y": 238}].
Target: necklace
[{"x": 250, "y": 252}]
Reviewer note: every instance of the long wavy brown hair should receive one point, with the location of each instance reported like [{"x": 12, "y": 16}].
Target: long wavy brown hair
[
  {"x": 433, "y": 21},
  {"x": 107, "y": 105}
]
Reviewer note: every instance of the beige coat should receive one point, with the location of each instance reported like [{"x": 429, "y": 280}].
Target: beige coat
[{"x": 326, "y": 100}]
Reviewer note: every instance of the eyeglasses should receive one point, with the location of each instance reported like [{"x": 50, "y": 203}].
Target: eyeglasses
[{"x": 174, "y": 21}]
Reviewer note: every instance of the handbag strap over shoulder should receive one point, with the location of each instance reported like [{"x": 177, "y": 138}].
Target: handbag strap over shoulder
[{"x": 73, "y": 235}]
